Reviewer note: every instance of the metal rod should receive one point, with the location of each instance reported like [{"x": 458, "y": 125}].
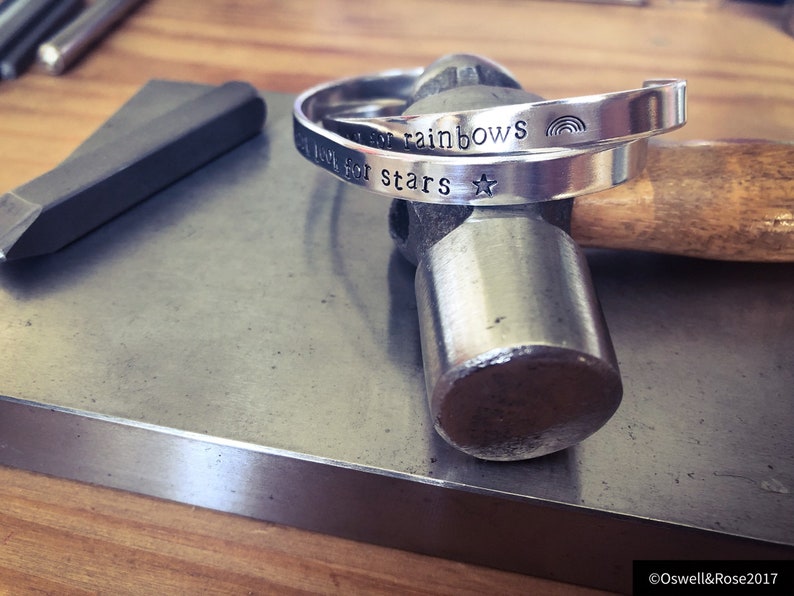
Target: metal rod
[
  {"x": 18, "y": 18},
  {"x": 63, "y": 50},
  {"x": 23, "y": 53}
]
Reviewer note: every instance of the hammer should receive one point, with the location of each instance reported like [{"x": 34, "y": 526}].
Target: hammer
[
  {"x": 717, "y": 200},
  {"x": 517, "y": 356}
]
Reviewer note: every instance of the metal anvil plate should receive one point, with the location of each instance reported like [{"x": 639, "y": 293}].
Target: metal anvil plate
[{"x": 247, "y": 341}]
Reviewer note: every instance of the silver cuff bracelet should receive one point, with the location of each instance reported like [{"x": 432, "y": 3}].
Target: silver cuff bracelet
[{"x": 513, "y": 154}]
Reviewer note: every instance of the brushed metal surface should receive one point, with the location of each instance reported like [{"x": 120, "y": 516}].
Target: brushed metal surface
[
  {"x": 247, "y": 340},
  {"x": 517, "y": 358}
]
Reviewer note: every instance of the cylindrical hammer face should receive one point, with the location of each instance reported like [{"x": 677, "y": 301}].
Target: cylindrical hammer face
[{"x": 518, "y": 360}]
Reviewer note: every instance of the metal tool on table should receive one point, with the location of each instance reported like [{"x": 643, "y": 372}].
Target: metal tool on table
[
  {"x": 64, "y": 48},
  {"x": 15, "y": 59},
  {"x": 518, "y": 361},
  {"x": 49, "y": 212}
]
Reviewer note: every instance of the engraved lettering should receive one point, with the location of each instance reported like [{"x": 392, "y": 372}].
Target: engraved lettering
[
  {"x": 301, "y": 142},
  {"x": 425, "y": 181},
  {"x": 461, "y": 138},
  {"x": 376, "y": 139},
  {"x": 442, "y": 135},
  {"x": 412, "y": 181},
  {"x": 326, "y": 157},
  {"x": 356, "y": 171},
  {"x": 498, "y": 136},
  {"x": 476, "y": 134},
  {"x": 380, "y": 140},
  {"x": 354, "y": 136},
  {"x": 349, "y": 165}
]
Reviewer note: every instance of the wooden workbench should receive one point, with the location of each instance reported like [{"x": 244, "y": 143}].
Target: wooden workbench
[{"x": 61, "y": 537}]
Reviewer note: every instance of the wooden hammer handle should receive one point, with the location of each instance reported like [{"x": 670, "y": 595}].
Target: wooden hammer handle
[{"x": 717, "y": 200}]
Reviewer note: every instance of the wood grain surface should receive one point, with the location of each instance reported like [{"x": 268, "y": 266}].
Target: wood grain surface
[
  {"x": 716, "y": 200},
  {"x": 61, "y": 537}
]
